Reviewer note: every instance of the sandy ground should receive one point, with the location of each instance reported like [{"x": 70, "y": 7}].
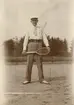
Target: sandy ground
[{"x": 58, "y": 92}]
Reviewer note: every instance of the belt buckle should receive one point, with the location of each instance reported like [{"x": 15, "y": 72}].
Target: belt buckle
[{"x": 36, "y": 40}]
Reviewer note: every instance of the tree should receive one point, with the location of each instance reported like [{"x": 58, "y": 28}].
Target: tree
[
  {"x": 13, "y": 48},
  {"x": 71, "y": 48},
  {"x": 65, "y": 47}
]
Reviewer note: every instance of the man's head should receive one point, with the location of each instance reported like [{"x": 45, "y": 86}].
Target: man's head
[{"x": 34, "y": 21}]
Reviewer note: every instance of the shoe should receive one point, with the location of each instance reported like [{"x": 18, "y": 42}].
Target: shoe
[
  {"x": 26, "y": 82},
  {"x": 44, "y": 82}
]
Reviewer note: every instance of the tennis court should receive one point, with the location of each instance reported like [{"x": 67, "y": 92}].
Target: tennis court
[{"x": 58, "y": 92}]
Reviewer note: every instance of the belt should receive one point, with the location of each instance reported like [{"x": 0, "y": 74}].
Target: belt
[{"x": 35, "y": 40}]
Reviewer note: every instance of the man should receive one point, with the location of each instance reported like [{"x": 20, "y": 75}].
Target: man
[{"x": 32, "y": 42}]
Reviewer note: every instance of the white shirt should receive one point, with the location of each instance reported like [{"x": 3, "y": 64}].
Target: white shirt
[{"x": 35, "y": 33}]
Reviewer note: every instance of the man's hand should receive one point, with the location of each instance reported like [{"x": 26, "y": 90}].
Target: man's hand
[
  {"x": 23, "y": 52},
  {"x": 48, "y": 48}
]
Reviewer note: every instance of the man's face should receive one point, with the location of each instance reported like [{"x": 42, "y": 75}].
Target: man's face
[{"x": 34, "y": 22}]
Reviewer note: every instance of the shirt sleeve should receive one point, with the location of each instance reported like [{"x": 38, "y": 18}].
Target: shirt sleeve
[
  {"x": 26, "y": 41},
  {"x": 45, "y": 40}
]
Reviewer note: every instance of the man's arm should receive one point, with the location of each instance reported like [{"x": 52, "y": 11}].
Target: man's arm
[
  {"x": 45, "y": 40},
  {"x": 25, "y": 42}
]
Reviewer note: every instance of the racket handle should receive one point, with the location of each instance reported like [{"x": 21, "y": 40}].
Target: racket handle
[
  {"x": 30, "y": 52},
  {"x": 23, "y": 53},
  {"x": 48, "y": 48}
]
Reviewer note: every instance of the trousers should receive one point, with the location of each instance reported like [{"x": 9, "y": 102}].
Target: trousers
[{"x": 33, "y": 46}]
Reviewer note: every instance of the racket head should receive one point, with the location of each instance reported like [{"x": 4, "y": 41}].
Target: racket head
[{"x": 43, "y": 51}]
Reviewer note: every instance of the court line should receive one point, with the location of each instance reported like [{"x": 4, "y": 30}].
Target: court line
[{"x": 21, "y": 93}]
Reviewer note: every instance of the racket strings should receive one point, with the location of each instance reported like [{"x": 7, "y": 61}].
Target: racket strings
[{"x": 42, "y": 51}]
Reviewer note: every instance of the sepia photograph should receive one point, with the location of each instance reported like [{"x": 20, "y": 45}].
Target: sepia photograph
[{"x": 37, "y": 52}]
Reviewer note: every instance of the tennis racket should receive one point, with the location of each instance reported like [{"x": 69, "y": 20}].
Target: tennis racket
[{"x": 40, "y": 51}]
